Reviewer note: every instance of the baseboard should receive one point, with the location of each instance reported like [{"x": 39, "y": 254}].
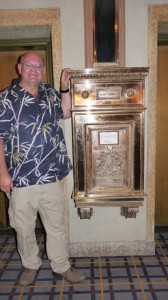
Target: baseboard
[{"x": 92, "y": 249}]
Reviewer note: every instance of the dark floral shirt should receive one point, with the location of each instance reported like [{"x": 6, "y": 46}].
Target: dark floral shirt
[{"x": 30, "y": 128}]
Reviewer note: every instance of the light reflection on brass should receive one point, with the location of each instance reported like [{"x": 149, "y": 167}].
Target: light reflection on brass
[{"x": 108, "y": 138}]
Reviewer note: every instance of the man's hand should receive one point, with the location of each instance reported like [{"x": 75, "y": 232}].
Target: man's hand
[
  {"x": 6, "y": 183},
  {"x": 64, "y": 80},
  {"x": 65, "y": 94}
]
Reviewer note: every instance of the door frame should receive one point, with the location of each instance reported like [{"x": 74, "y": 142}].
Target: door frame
[
  {"x": 36, "y": 18},
  {"x": 32, "y": 45},
  {"x": 156, "y": 14}
]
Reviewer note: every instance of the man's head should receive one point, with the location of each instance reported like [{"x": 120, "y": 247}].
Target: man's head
[{"x": 31, "y": 69}]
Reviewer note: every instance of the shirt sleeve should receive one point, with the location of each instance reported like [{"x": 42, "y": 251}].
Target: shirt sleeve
[
  {"x": 53, "y": 95},
  {"x": 5, "y": 116},
  {"x": 59, "y": 110}
]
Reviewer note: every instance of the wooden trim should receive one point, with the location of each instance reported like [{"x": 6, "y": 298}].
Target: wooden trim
[{"x": 88, "y": 26}]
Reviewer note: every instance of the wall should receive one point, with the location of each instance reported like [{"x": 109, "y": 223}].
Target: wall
[{"x": 106, "y": 224}]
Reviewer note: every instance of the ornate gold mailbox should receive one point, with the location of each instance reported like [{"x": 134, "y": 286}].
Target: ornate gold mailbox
[{"x": 108, "y": 139}]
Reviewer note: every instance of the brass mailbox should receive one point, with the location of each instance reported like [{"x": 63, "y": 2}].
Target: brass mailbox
[{"x": 108, "y": 139}]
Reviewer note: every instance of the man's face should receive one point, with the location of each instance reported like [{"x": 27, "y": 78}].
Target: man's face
[{"x": 31, "y": 69}]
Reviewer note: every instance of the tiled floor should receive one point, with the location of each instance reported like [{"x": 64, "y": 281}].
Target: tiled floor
[{"x": 108, "y": 278}]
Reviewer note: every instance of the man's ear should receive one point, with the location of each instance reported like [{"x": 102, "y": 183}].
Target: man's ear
[
  {"x": 44, "y": 71},
  {"x": 19, "y": 68}
]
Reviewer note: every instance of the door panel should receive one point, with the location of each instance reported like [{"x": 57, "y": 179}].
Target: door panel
[{"x": 161, "y": 214}]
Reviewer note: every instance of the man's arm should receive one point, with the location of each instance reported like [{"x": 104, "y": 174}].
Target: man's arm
[
  {"x": 66, "y": 101},
  {"x": 6, "y": 183}
]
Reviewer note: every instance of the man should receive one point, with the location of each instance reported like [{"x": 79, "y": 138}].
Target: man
[{"x": 33, "y": 159}]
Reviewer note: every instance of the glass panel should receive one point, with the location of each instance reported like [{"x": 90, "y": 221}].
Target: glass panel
[{"x": 105, "y": 35}]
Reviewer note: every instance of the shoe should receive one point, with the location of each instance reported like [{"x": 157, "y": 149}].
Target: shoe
[
  {"x": 27, "y": 276},
  {"x": 73, "y": 275}
]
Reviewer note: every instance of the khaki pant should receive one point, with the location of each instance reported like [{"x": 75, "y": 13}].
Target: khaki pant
[{"x": 47, "y": 199}]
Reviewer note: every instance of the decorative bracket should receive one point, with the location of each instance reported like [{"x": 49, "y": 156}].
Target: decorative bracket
[
  {"x": 85, "y": 212},
  {"x": 129, "y": 212}
]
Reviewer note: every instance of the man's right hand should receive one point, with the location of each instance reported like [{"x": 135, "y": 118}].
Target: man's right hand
[{"x": 6, "y": 182}]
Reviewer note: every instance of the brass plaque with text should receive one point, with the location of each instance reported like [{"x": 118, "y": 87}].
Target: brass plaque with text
[{"x": 109, "y": 158}]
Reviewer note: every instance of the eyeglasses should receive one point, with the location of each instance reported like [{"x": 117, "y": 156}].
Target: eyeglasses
[{"x": 30, "y": 66}]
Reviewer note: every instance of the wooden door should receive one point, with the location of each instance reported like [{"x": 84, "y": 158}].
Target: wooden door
[
  {"x": 8, "y": 61},
  {"x": 161, "y": 207}
]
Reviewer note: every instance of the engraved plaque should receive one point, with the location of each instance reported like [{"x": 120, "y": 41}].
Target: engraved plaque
[
  {"x": 109, "y": 158},
  {"x": 109, "y": 93},
  {"x": 101, "y": 139}
]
